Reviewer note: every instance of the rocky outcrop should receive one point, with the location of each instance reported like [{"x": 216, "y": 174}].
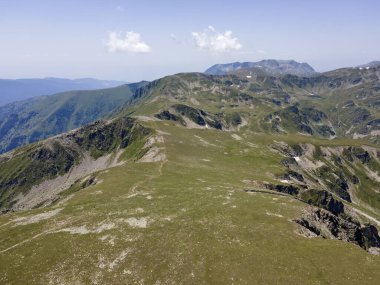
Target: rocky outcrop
[
  {"x": 293, "y": 175},
  {"x": 72, "y": 155},
  {"x": 305, "y": 120},
  {"x": 287, "y": 189},
  {"x": 327, "y": 225},
  {"x": 357, "y": 152},
  {"x": 339, "y": 169},
  {"x": 323, "y": 199},
  {"x": 167, "y": 116},
  {"x": 194, "y": 117},
  {"x": 290, "y": 151},
  {"x": 335, "y": 180}
]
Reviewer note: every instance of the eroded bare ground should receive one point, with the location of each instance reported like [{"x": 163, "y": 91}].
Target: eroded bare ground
[{"x": 47, "y": 192}]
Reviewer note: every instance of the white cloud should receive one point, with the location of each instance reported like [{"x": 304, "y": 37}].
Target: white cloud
[
  {"x": 211, "y": 28},
  {"x": 213, "y": 41},
  {"x": 131, "y": 42}
]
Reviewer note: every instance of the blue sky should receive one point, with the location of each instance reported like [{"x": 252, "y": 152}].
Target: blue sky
[{"x": 135, "y": 40}]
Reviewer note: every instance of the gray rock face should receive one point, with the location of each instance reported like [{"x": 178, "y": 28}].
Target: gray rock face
[
  {"x": 180, "y": 113},
  {"x": 327, "y": 225},
  {"x": 287, "y": 189},
  {"x": 323, "y": 199},
  {"x": 59, "y": 155}
]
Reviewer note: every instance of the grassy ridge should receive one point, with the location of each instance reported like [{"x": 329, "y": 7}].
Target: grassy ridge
[{"x": 200, "y": 227}]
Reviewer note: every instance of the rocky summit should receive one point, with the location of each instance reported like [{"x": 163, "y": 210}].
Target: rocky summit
[{"x": 270, "y": 66}]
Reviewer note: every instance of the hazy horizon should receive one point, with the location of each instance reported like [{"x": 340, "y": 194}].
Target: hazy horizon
[{"x": 130, "y": 41}]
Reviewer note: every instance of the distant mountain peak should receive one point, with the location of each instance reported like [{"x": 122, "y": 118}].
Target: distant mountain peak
[{"x": 271, "y": 66}]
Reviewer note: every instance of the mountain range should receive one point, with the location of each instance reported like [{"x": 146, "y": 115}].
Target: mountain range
[
  {"x": 40, "y": 117},
  {"x": 20, "y": 89},
  {"x": 253, "y": 176}
]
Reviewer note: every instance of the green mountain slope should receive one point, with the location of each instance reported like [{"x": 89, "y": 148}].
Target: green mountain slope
[
  {"x": 41, "y": 117},
  {"x": 244, "y": 178}
]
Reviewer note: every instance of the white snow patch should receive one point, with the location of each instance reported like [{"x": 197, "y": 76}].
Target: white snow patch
[{"x": 297, "y": 158}]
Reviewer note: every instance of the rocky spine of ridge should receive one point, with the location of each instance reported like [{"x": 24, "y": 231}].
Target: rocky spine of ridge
[{"x": 35, "y": 175}]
